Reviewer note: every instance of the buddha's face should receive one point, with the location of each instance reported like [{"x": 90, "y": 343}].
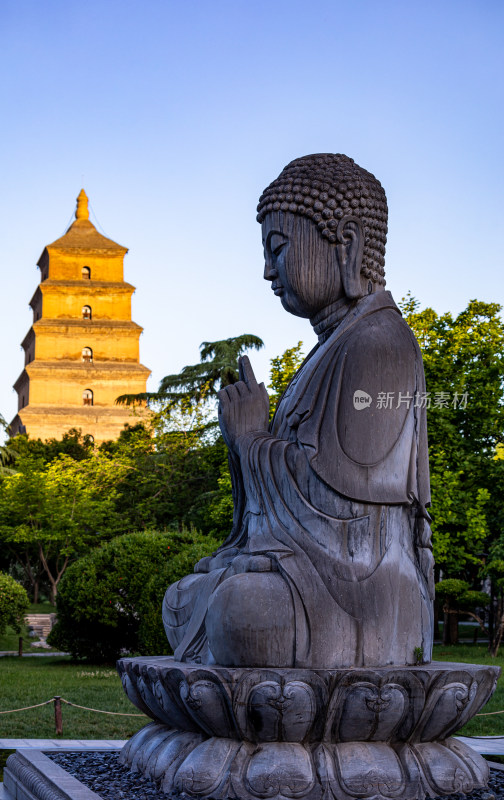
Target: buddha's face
[{"x": 302, "y": 266}]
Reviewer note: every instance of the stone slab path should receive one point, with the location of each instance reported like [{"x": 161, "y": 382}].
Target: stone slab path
[
  {"x": 487, "y": 745},
  {"x": 30, "y": 655},
  {"x": 62, "y": 744}
]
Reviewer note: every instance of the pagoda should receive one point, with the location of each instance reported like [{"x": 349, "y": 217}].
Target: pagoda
[{"x": 82, "y": 350}]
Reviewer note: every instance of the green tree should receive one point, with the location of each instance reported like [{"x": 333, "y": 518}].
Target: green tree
[
  {"x": 170, "y": 466},
  {"x": 72, "y": 443},
  {"x": 464, "y": 371},
  {"x": 14, "y": 603},
  {"x": 7, "y": 454},
  {"x": 49, "y": 513},
  {"x": 458, "y": 598},
  {"x": 220, "y": 509},
  {"x": 282, "y": 370},
  {"x": 196, "y": 383}
]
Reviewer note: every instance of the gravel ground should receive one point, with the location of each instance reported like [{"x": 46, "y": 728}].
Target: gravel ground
[{"x": 101, "y": 772}]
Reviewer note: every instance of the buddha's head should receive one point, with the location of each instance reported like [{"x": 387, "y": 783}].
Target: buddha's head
[{"x": 324, "y": 222}]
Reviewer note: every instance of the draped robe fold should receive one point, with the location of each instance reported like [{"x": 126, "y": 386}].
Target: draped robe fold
[{"x": 335, "y": 495}]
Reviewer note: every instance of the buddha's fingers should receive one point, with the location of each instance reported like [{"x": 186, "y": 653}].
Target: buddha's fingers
[
  {"x": 241, "y": 388},
  {"x": 246, "y": 372},
  {"x": 224, "y": 397}
]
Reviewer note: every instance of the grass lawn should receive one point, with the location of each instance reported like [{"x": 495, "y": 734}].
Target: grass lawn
[{"x": 26, "y": 681}]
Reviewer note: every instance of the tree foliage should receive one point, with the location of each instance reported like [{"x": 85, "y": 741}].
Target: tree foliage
[
  {"x": 14, "y": 603},
  {"x": 282, "y": 370},
  {"x": 51, "y": 512},
  {"x": 7, "y": 453},
  {"x": 218, "y": 367},
  {"x": 464, "y": 372},
  {"x": 110, "y": 600}
]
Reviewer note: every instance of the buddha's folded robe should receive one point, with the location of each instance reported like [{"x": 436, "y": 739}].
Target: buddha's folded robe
[{"x": 334, "y": 498}]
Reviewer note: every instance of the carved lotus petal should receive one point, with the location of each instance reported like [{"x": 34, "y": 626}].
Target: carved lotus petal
[
  {"x": 130, "y": 688},
  {"x": 140, "y": 740},
  {"x": 280, "y": 769},
  {"x": 206, "y": 767},
  {"x": 478, "y": 767},
  {"x": 445, "y": 708},
  {"x": 141, "y": 744},
  {"x": 207, "y": 703},
  {"x": 172, "y": 755},
  {"x": 151, "y": 750},
  {"x": 445, "y": 770},
  {"x": 150, "y": 700},
  {"x": 281, "y": 711},
  {"x": 369, "y": 769},
  {"x": 372, "y": 712},
  {"x": 174, "y": 711}
]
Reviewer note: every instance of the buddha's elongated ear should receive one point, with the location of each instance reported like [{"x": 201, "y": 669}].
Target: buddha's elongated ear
[{"x": 350, "y": 247}]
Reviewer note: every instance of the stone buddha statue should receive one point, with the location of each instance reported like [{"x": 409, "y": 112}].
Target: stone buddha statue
[
  {"x": 307, "y": 636},
  {"x": 329, "y": 561}
]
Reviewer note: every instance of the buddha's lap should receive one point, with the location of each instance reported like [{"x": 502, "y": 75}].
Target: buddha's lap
[{"x": 250, "y": 621}]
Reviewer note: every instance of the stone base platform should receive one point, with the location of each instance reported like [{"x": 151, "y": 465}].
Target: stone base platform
[
  {"x": 241, "y": 733},
  {"x": 30, "y": 775}
]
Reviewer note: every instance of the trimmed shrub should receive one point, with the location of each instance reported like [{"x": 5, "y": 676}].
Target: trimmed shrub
[
  {"x": 457, "y": 593},
  {"x": 109, "y": 602},
  {"x": 14, "y": 603}
]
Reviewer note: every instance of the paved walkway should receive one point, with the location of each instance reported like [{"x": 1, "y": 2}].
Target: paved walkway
[
  {"x": 63, "y": 744},
  {"x": 487, "y": 745},
  {"x": 29, "y": 655}
]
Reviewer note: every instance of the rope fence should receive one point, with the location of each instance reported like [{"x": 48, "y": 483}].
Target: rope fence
[
  {"x": 489, "y": 713},
  {"x": 99, "y": 711},
  {"x": 58, "y": 717},
  {"x": 27, "y": 708},
  {"x": 57, "y": 700}
]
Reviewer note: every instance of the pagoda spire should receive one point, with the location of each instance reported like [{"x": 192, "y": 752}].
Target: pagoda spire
[{"x": 82, "y": 211}]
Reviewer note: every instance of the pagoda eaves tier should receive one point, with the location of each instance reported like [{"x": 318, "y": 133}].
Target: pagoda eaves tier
[{"x": 82, "y": 350}]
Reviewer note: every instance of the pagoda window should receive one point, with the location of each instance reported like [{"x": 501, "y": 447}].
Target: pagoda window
[
  {"x": 87, "y": 354},
  {"x": 87, "y": 397},
  {"x": 86, "y": 312},
  {"x": 86, "y": 273}
]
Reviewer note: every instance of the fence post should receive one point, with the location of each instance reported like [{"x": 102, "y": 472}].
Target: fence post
[
  {"x": 20, "y": 646},
  {"x": 58, "y": 719}
]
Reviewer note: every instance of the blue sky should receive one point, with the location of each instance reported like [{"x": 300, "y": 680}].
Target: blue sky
[{"x": 174, "y": 116}]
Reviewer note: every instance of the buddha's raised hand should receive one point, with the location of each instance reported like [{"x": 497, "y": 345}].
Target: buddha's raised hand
[{"x": 243, "y": 406}]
